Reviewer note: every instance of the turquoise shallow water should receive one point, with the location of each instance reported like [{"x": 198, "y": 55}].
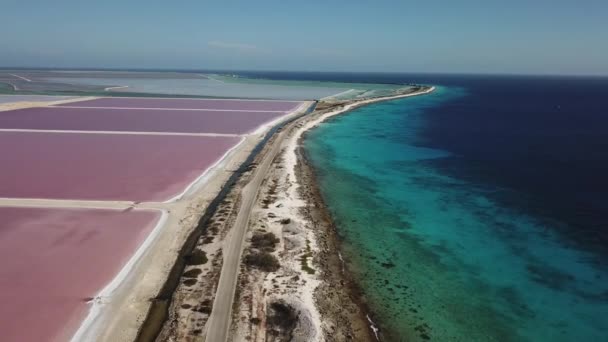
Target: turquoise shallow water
[{"x": 438, "y": 257}]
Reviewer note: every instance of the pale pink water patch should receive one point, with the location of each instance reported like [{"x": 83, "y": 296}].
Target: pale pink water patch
[
  {"x": 131, "y": 102},
  {"x": 104, "y": 166},
  {"x": 135, "y": 120},
  {"x": 52, "y": 261}
]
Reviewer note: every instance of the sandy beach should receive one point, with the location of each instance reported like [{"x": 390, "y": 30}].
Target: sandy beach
[
  {"x": 311, "y": 283},
  {"x": 36, "y": 101}
]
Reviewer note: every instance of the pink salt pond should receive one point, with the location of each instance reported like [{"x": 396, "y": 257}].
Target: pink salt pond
[
  {"x": 167, "y": 103},
  {"x": 104, "y": 166},
  {"x": 136, "y": 120},
  {"x": 55, "y": 260}
]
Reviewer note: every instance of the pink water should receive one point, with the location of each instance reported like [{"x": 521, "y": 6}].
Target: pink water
[
  {"x": 135, "y": 120},
  {"x": 104, "y": 166},
  {"x": 187, "y": 103},
  {"x": 53, "y": 260}
]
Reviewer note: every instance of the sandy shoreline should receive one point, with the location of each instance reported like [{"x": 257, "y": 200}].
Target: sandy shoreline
[
  {"x": 335, "y": 274},
  {"x": 88, "y": 328},
  {"x": 311, "y": 283}
]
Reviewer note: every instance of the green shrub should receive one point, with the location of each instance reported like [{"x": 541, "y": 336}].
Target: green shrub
[
  {"x": 197, "y": 257},
  {"x": 263, "y": 261},
  {"x": 264, "y": 241},
  {"x": 282, "y": 316}
]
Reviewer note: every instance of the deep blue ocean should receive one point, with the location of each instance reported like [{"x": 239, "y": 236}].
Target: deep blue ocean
[{"x": 475, "y": 213}]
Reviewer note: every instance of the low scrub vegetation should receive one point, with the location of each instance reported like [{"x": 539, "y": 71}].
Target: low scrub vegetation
[
  {"x": 264, "y": 241},
  {"x": 197, "y": 257},
  {"x": 304, "y": 259},
  {"x": 282, "y": 320},
  {"x": 263, "y": 261}
]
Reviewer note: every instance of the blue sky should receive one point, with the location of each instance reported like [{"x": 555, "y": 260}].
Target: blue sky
[{"x": 538, "y": 37}]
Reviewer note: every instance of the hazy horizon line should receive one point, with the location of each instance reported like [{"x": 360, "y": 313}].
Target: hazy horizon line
[{"x": 221, "y": 70}]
